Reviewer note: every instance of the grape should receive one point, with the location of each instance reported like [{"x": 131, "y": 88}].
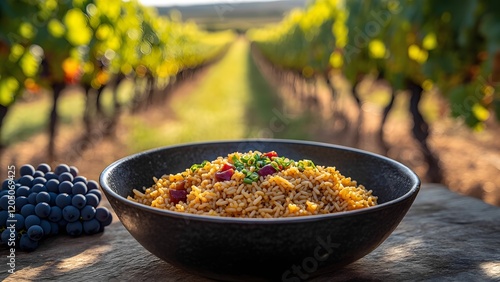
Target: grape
[
  {"x": 38, "y": 174},
  {"x": 92, "y": 185},
  {"x": 45, "y": 224},
  {"x": 55, "y": 214},
  {"x": 80, "y": 178},
  {"x": 74, "y": 228},
  {"x": 52, "y": 185},
  {"x": 92, "y": 199},
  {"x": 63, "y": 200},
  {"x": 62, "y": 168},
  {"x": 26, "y": 180},
  {"x": 20, "y": 221},
  {"x": 54, "y": 228},
  {"x": 43, "y": 167},
  {"x": 28, "y": 210},
  {"x": 102, "y": 214},
  {"x": 79, "y": 201},
  {"x": 62, "y": 224},
  {"x": 73, "y": 170},
  {"x": 5, "y": 235},
  {"x": 27, "y": 244},
  {"x": 38, "y": 188},
  {"x": 31, "y": 220},
  {"x": 87, "y": 213},
  {"x": 32, "y": 198},
  {"x": 91, "y": 226},
  {"x": 23, "y": 191},
  {"x": 107, "y": 221},
  {"x": 53, "y": 197},
  {"x": 4, "y": 215},
  {"x": 5, "y": 185},
  {"x": 42, "y": 210},
  {"x": 4, "y": 202},
  {"x": 39, "y": 180},
  {"x": 43, "y": 197},
  {"x": 51, "y": 175},
  {"x": 66, "y": 187},
  {"x": 27, "y": 169},
  {"x": 97, "y": 193},
  {"x": 65, "y": 176},
  {"x": 79, "y": 188},
  {"x": 71, "y": 214},
  {"x": 35, "y": 232},
  {"x": 20, "y": 202}
]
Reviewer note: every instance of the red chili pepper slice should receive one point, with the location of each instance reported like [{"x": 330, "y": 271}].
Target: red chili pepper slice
[
  {"x": 227, "y": 166},
  {"x": 270, "y": 154}
]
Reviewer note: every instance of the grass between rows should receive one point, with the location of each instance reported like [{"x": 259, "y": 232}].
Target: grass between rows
[{"x": 231, "y": 101}]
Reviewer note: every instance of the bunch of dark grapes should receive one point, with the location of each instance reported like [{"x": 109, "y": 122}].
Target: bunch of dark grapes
[{"x": 49, "y": 203}]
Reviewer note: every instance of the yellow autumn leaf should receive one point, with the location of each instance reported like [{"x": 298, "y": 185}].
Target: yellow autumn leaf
[
  {"x": 336, "y": 60},
  {"x": 480, "y": 112},
  {"x": 430, "y": 41},
  {"x": 16, "y": 51},
  {"x": 417, "y": 54},
  {"x": 56, "y": 28},
  {"x": 26, "y": 30},
  {"x": 8, "y": 86},
  {"x": 79, "y": 32},
  {"x": 377, "y": 49}
]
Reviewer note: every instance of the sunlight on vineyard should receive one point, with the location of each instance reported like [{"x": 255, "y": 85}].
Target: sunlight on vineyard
[{"x": 415, "y": 46}]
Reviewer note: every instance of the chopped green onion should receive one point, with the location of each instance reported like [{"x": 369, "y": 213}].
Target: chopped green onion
[
  {"x": 247, "y": 180},
  {"x": 254, "y": 176},
  {"x": 197, "y": 166},
  {"x": 275, "y": 166}
]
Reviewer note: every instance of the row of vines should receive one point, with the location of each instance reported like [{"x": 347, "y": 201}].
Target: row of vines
[
  {"x": 413, "y": 45},
  {"x": 96, "y": 44}
]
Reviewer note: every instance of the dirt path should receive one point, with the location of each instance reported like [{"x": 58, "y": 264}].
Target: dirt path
[{"x": 470, "y": 161}]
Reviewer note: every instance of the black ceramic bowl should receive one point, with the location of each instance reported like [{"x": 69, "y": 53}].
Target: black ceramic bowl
[{"x": 261, "y": 249}]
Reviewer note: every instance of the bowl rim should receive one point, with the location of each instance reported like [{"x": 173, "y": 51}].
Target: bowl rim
[{"x": 220, "y": 219}]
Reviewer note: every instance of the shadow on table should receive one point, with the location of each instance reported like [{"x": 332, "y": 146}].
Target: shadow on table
[
  {"x": 444, "y": 236},
  {"x": 113, "y": 255}
]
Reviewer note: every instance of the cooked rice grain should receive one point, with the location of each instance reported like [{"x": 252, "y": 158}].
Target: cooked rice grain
[{"x": 287, "y": 193}]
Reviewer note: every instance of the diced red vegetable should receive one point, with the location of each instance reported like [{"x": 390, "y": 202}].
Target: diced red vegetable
[
  {"x": 227, "y": 166},
  {"x": 266, "y": 170},
  {"x": 224, "y": 175},
  {"x": 181, "y": 185},
  {"x": 177, "y": 195},
  {"x": 270, "y": 154}
]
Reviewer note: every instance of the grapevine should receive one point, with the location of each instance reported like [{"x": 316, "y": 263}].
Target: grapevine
[
  {"x": 96, "y": 44},
  {"x": 414, "y": 45}
]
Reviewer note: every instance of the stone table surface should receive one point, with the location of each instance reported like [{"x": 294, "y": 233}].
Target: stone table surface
[{"x": 444, "y": 237}]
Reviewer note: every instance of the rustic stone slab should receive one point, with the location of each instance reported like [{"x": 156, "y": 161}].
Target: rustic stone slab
[{"x": 444, "y": 237}]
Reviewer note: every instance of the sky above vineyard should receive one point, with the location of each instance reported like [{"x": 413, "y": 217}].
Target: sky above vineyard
[{"x": 194, "y": 2}]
